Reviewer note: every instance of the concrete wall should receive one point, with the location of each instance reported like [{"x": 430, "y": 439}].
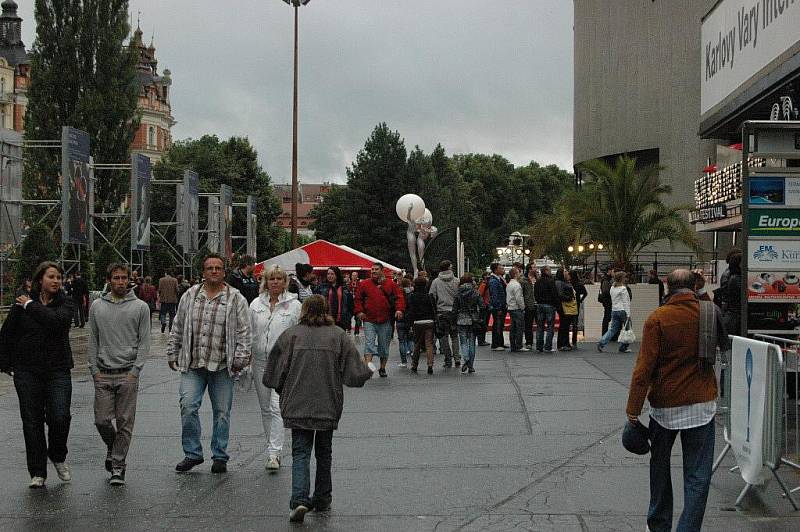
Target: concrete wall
[
  {"x": 645, "y": 301},
  {"x": 637, "y": 84}
]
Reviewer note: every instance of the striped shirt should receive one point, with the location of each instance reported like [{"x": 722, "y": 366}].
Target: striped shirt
[
  {"x": 208, "y": 324},
  {"x": 685, "y": 416}
]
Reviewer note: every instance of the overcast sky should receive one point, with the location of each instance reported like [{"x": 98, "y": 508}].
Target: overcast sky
[{"x": 473, "y": 75}]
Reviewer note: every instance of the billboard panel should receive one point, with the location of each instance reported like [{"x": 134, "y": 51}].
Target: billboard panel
[
  {"x": 10, "y": 189},
  {"x": 226, "y": 220},
  {"x": 140, "y": 202},
  {"x": 252, "y": 218},
  {"x": 213, "y": 225},
  {"x": 75, "y": 226},
  {"x": 188, "y": 208}
]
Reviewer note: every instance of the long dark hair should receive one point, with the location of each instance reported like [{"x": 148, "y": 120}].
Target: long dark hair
[
  {"x": 338, "y": 273},
  {"x": 314, "y": 312},
  {"x": 38, "y": 275}
]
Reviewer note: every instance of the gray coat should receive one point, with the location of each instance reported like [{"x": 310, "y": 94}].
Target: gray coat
[{"x": 307, "y": 367}]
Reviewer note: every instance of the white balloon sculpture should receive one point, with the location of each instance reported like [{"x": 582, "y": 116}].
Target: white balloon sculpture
[{"x": 411, "y": 209}]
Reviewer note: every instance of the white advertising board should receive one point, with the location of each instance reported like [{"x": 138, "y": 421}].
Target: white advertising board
[
  {"x": 739, "y": 38},
  {"x": 773, "y": 255},
  {"x": 748, "y": 398}
]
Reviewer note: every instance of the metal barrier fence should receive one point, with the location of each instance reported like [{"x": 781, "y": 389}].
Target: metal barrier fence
[{"x": 781, "y": 430}]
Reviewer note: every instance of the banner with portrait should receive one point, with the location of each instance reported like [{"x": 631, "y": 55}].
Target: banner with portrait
[
  {"x": 141, "y": 174},
  {"x": 188, "y": 207},
  {"x": 75, "y": 223},
  {"x": 252, "y": 218},
  {"x": 226, "y": 220},
  {"x": 10, "y": 189}
]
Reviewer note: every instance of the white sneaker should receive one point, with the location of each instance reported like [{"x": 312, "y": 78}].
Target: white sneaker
[
  {"x": 63, "y": 470},
  {"x": 402, "y": 365},
  {"x": 273, "y": 464},
  {"x": 36, "y": 482},
  {"x": 498, "y": 349},
  {"x": 298, "y": 514},
  {"x": 525, "y": 349}
]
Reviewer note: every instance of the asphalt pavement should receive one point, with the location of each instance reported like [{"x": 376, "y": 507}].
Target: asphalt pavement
[{"x": 529, "y": 442}]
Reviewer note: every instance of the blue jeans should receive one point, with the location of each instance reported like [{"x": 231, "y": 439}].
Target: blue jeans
[
  {"x": 466, "y": 337},
  {"x": 404, "y": 340},
  {"x": 44, "y": 398},
  {"x": 545, "y": 314},
  {"x": 380, "y": 332},
  {"x": 618, "y": 319},
  {"x": 220, "y": 391},
  {"x": 697, "y": 446},
  {"x": 302, "y": 443},
  {"x": 498, "y": 325},
  {"x": 517, "y": 328},
  {"x": 167, "y": 310}
]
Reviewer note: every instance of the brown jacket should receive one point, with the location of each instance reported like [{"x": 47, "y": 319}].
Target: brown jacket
[
  {"x": 168, "y": 289},
  {"x": 668, "y": 366}
]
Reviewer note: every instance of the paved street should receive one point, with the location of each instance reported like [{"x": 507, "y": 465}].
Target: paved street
[{"x": 529, "y": 442}]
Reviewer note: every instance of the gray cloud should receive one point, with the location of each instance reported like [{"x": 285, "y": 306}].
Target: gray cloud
[{"x": 493, "y": 77}]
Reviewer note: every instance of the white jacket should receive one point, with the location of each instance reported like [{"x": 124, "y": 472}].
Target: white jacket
[
  {"x": 268, "y": 325},
  {"x": 620, "y": 299},
  {"x": 514, "y": 297}
]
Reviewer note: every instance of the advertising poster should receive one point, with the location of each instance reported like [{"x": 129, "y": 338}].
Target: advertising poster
[
  {"x": 748, "y": 398},
  {"x": 188, "y": 207},
  {"x": 75, "y": 224},
  {"x": 773, "y": 255},
  {"x": 774, "y": 222},
  {"x": 767, "y": 191},
  {"x": 10, "y": 188},
  {"x": 213, "y": 225},
  {"x": 140, "y": 202},
  {"x": 777, "y": 287},
  {"x": 252, "y": 217},
  {"x": 768, "y": 317},
  {"x": 226, "y": 220}
]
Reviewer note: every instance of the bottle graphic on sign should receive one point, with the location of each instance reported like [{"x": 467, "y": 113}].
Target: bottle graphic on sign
[{"x": 748, "y": 371}]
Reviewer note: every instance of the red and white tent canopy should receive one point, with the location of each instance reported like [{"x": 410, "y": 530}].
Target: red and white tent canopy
[{"x": 322, "y": 254}]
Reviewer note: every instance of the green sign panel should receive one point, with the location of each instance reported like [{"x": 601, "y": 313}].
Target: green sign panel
[{"x": 773, "y": 222}]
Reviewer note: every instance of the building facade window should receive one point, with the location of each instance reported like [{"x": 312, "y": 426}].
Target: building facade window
[{"x": 151, "y": 136}]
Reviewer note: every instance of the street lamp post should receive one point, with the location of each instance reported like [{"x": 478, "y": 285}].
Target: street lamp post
[{"x": 296, "y": 4}]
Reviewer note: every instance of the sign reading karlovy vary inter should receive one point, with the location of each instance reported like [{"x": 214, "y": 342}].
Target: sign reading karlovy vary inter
[{"x": 739, "y": 38}]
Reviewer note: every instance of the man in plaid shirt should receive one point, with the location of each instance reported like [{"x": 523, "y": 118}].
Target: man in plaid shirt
[{"x": 210, "y": 345}]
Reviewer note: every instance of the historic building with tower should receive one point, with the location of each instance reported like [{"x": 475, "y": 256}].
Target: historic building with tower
[{"x": 15, "y": 69}]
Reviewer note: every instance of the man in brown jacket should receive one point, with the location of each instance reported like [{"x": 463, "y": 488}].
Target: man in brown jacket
[
  {"x": 168, "y": 297},
  {"x": 683, "y": 401}
]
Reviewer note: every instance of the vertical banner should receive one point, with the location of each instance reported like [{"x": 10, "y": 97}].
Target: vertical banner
[
  {"x": 10, "y": 189},
  {"x": 226, "y": 220},
  {"x": 74, "y": 186},
  {"x": 140, "y": 202},
  {"x": 212, "y": 243},
  {"x": 252, "y": 218},
  {"x": 748, "y": 399},
  {"x": 189, "y": 204}
]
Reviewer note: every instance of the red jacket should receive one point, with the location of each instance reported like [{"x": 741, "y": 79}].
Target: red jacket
[{"x": 373, "y": 300}]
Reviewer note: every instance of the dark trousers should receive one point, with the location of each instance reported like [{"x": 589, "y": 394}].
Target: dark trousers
[
  {"x": 302, "y": 443},
  {"x": 44, "y": 398},
  {"x": 575, "y": 327},
  {"x": 485, "y": 315},
  {"x": 80, "y": 313},
  {"x": 564, "y": 321},
  {"x": 606, "y": 317},
  {"x": 697, "y": 446},
  {"x": 530, "y": 318},
  {"x": 167, "y": 310},
  {"x": 499, "y": 317}
]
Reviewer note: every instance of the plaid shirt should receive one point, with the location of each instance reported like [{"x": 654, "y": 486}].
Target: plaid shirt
[{"x": 208, "y": 321}]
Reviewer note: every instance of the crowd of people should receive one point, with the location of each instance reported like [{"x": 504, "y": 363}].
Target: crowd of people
[{"x": 294, "y": 336}]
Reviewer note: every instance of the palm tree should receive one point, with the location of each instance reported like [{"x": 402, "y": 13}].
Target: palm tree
[{"x": 624, "y": 208}]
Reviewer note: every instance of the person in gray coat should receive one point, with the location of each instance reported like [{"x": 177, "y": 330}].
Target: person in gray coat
[
  {"x": 443, "y": 290},
  {"x": 307, "y": 367}
]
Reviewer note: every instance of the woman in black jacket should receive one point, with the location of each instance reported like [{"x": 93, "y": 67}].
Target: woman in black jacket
[
  {"x": 421, "y": 315},
  {"x": 580, "y": 295},
  {"x": 34, "y": 348}
]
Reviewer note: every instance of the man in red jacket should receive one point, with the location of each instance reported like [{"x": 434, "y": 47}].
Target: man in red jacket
[{"x": 379, "y": 301}]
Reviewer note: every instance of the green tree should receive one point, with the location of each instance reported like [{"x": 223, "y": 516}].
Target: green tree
[
  {"x": 623, "y": 207},
  {"x": 38, "y": 246},
  {"x": 82, "y": 75}
]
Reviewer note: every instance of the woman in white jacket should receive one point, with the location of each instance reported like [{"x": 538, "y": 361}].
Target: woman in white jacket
[
  {"x": 272, "y": 312},
  {"x": 620, "y": 312}
]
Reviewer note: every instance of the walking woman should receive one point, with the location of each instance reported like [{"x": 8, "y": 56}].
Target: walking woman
[
  {"x": 567, "y": 310},
  {"x": 404, "y": 337},
  {"x": 620, "y": 312},
  {"x": 580, "y": 295},
  {"x": 468, "y": 308},
  {"x": 34, "y": 348},
  {"x": 272, "y": 312},
  {"x": 308, "y": 366},
  {"x": 338, "y": 296},
  {"x": 421, "y": 314}
]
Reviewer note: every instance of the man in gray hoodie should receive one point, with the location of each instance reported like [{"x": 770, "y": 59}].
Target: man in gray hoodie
[
  {"x": 119, "y": 342},
  {"x": 443, "y": 290}
]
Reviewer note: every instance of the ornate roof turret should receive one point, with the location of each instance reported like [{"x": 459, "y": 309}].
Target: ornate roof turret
[{"x": 11, "y": 45}]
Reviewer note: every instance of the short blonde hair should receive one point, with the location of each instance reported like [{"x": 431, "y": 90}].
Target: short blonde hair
[{"x": 274, "y": 271}]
